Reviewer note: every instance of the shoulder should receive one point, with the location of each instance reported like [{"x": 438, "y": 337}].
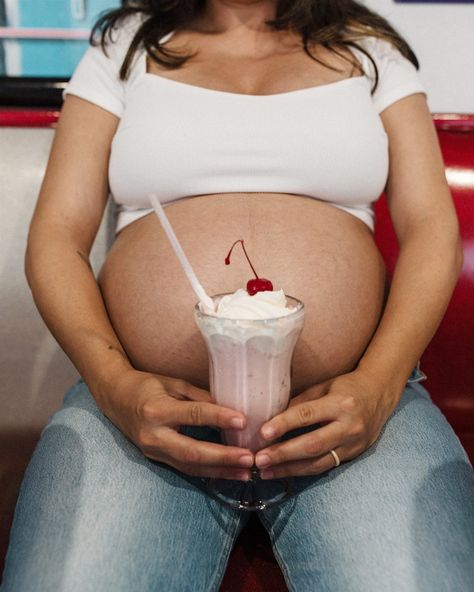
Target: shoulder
[
  {"x": 97, "y": 76},
  {"x": 118, "y": 39},
  {"x": 384, "y": 53},
  {"x": 391, "y": 74}
]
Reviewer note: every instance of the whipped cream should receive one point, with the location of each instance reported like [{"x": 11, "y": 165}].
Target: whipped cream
[{"x": 262, "y": 305}]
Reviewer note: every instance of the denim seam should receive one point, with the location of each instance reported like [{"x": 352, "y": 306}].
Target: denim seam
[
  {"x": 281, "y": 562},
  {"x": 222, "y": 563},
  {"x": 417, "y": 374}
]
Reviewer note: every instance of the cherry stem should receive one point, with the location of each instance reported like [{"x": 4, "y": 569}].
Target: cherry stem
[{"x": 227, "y": 259}]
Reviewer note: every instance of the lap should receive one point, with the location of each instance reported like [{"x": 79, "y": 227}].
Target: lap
[
  {"x": 398, "y": 517},
  {"x": 95, "y": 514}
]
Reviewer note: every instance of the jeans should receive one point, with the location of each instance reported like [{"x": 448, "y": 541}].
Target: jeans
[{"x": 95, "y": 515}]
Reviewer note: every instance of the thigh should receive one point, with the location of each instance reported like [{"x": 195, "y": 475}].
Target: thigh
[
  {"x": 399, "y": 518},
  {"x": 95, "y": 515}
]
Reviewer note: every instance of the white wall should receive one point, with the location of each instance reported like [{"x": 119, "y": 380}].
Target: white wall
[{"x": 442, "y": 37}]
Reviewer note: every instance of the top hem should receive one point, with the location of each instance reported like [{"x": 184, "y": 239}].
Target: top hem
[{"x": 126, "y": 217}]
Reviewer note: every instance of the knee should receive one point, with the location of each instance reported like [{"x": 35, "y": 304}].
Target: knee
[{"x": 79, "y": 421}]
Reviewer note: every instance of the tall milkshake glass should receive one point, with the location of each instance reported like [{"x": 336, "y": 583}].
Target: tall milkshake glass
[{"x": 250, "y": 371}]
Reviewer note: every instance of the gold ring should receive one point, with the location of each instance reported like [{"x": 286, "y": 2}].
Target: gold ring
[{"x": 337, "y": 460}]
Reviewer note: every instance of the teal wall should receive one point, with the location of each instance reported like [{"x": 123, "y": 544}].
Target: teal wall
[{"x": 55, "y": 58}]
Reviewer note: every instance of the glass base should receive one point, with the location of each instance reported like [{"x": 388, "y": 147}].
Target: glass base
[{"x": 253, "y": 495}]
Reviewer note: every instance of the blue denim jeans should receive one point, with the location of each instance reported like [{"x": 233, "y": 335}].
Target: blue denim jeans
[{"x": 95, "y": 515}]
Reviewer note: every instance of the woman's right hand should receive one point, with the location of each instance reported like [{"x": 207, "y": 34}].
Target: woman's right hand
[{"x": 149, "y": 409}]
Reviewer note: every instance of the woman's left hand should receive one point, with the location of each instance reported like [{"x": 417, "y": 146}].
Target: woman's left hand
[{"x": 350, "y": 411}]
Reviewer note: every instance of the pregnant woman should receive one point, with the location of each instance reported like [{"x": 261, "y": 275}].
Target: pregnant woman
[{"x": 280, "y": 123}]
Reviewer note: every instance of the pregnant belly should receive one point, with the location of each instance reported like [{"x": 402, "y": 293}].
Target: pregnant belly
[{"x": 322, "y": 255}]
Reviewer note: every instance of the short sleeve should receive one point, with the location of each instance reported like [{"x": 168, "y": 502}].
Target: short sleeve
[
  {"x": 96, "y": 78},
  {"x": 398, "y": 77}
]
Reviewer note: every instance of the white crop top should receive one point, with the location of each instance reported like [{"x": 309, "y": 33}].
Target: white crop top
[{"x": 178, "y": 140}]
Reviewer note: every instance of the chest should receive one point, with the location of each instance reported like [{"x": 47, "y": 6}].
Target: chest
[
  {"x": 179, "y": 140},
  {"x": 285, "y": 69}
]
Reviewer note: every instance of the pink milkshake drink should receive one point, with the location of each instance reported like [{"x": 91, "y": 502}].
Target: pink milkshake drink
[
  {"x": 250, "y": 337},
  {"x": 250, "y": 342}
]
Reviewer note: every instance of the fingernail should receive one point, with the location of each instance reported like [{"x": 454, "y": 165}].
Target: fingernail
[
  {"x": 243, "y": 476},
  {"x": 236, "y": 422},
  {"x": 267, "y": 474},
  {"x": 262, "y": 460},
  {"x": 268, "y": 432},
  {"x": 246, "y": 460}
]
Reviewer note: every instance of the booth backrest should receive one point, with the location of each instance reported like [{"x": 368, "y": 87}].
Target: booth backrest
[
  {"x": 449, "y": 359},
  {"x": 34, "y": 371}
]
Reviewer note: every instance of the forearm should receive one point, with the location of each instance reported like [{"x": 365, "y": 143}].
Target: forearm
[
  {"x": 69, "y": 300},
  {"x": 424, "y": 278}
]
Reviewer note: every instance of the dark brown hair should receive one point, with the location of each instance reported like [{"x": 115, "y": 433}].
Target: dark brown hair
[{"x": 330, "y": 23}]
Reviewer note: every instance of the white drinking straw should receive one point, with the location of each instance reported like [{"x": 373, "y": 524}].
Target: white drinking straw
[{"x": 178, "y": 249}]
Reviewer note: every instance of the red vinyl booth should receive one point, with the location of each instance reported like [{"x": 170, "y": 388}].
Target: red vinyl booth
[{"x": 448, "y": 361}]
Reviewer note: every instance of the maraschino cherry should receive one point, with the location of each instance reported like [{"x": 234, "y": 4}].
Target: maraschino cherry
[{"x": 253, "y": 286}]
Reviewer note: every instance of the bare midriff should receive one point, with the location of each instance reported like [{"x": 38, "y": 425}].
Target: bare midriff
[{"x": 312, "y": 250}]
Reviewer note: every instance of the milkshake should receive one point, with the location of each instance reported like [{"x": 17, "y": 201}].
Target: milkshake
[
  {"x": 250, "y": 337},
  {"x": 250, "y": 341}
]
